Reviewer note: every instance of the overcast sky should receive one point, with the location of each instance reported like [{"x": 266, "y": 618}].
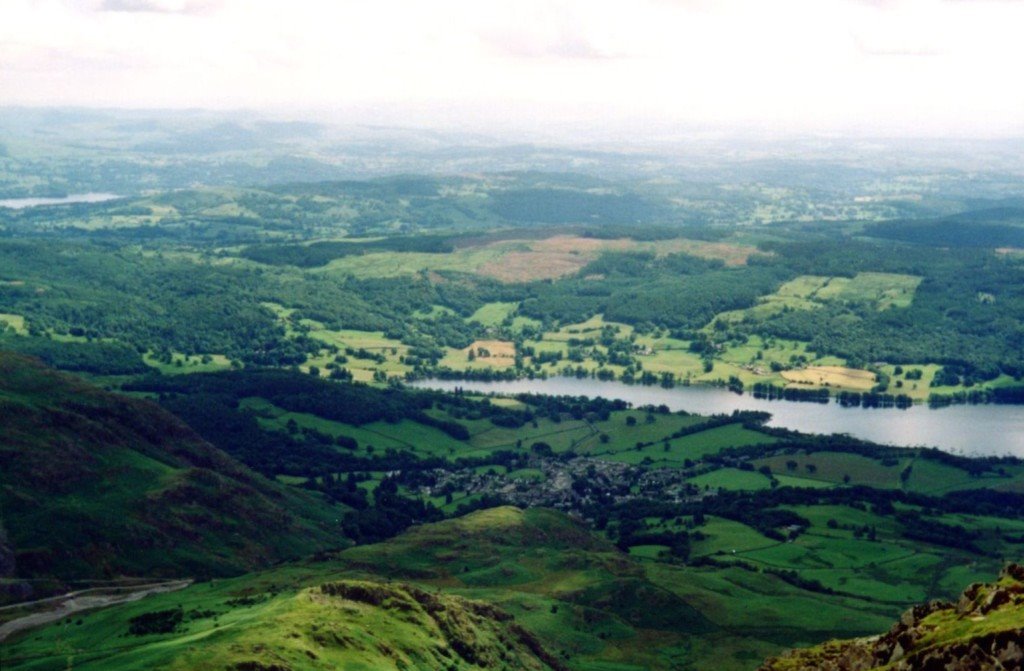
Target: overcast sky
[{"x": 890, "y": 66}]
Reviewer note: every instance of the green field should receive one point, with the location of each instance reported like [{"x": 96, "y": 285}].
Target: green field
[
  {"x": 713, "y": 440},
  {"x": 730, "y": 479},
  {"x": 752, "y": 359},
  {"x": 884, "y": 290},
  {"x": 723, "y": 536},
  {"x": 492, "y": 314},
  {"x": 809, "y": 292},
  {"x": 836, "y": 468},
  {"x": 14, "y": 322},
  {"x": 403, "y": 435}
]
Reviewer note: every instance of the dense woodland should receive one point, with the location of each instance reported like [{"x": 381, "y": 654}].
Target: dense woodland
[{"x": 966, "y": 314}]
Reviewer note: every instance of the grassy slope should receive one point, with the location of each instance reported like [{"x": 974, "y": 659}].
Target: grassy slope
[
  {"x": 94, "y": 484},
  {"x": 587, "y": 603},
  {"x": 983, "y": 630},
  {"x": 258, "y": 625},
  {"x": 837, "y": 551}
]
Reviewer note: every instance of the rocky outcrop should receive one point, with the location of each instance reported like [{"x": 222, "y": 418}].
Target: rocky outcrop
[
  {"x": 479, "y": 634},
  {"x": 983, "y": 630}
]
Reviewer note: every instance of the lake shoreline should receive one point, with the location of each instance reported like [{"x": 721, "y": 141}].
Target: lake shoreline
[
  {"x": 982, "y": 430},
  {"x": 70, "y": 199},
  {"x": 771, "y": 392}
]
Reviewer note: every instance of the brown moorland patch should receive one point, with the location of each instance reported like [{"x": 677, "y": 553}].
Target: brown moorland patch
[{"x": 562, "y": 255}]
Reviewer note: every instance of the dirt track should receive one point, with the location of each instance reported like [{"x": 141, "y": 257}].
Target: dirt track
[{"x": 74, "y": 602}]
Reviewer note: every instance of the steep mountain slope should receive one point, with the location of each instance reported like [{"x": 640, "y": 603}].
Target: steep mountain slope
[
  {"x": 94, "y": 484},
  {"x": 984, "y": 629}
]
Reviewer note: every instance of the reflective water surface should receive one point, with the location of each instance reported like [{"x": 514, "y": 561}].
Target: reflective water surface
[
  {"x": 967, "y": 429},
  {"x": 20, "y": 203}
]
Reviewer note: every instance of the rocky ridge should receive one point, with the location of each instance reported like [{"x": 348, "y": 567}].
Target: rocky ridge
[{"x": 983, "y": 630}]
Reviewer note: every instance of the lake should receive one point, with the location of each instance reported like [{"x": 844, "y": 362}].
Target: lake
[
  {"x": 21, "y": 203},
  {"x": 963, "y": 429}
]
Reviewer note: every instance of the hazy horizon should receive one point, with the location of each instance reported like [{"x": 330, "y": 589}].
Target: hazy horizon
[{"x": 862, "y": 68}]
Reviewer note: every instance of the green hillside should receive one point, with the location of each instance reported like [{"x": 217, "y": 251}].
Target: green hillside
[
  {"x": 640, "y": 538},
  {"x": 545, "y": 577},
  {"x": 984, "y": 629},
  {"x": 96, "y": 485}
]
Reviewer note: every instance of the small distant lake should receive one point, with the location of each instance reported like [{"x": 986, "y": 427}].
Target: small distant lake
[
  {"x": 21, "y": 203},
  {"x": 965, "y": 429}
]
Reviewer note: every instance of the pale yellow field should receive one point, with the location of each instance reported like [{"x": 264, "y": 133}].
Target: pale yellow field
[
  {"x": 16, "y": 322},
  {"x": 502, "y": 354},
  {"x": 832, "y": 376},
  {"x": 499, "y": 349},
  {"x": 374, "y": 341}
]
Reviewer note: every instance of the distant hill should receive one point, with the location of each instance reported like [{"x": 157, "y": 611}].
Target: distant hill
[
  {"x": 96, "y": 485},
  {"x": 984, "y": 629},
  {"x": 992, "y": 227}
]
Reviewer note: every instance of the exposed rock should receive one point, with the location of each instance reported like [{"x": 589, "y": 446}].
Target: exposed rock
[
  {"x": 259, "y": 666},
  {"x": 1015, "y": 572},
  {"x": 934, "y": 637}
]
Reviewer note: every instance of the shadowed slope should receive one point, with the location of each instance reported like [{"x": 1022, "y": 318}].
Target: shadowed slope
[{"x": 93, "y": 484}]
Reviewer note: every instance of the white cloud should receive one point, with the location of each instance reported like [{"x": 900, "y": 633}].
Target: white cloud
[
  {"x": 200, "y": 7},
  {"x": 790, "y": 64}
]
